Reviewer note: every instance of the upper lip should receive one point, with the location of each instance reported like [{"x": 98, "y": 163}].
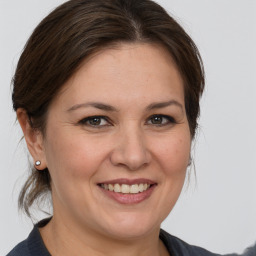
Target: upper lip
[{"x": 129, "y": 181}]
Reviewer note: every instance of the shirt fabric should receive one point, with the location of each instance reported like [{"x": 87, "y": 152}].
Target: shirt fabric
[{"x": 34, "y": 245}]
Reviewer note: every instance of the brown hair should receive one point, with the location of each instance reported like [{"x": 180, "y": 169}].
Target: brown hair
[{"x": 75, "y": 30}]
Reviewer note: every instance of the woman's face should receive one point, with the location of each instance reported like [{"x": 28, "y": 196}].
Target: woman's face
[{"x": 119, "y": 123}]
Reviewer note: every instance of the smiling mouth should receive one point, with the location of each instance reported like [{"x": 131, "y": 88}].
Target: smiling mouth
[
  {"x": 128, "y": 191},
  {"x": 125, "y": 188}
]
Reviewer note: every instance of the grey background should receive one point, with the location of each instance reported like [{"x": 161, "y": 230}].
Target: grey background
[{"x": 219, "y": 210}]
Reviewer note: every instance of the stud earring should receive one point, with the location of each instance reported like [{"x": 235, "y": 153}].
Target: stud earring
[
  {"x": 37, "y": 163},
  {"x": 190, "y": 161}
]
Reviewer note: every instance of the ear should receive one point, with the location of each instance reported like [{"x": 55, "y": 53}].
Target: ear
[{"x": 33, "y": 137}]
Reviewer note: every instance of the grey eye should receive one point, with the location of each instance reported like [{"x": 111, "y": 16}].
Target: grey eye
[
  {"x": 95, "y": 121},
  {"x": 161, "y": 120},
  {"x": 157, "y": 120}
]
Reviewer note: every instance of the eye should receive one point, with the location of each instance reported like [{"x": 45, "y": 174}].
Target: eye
[
  {"x": 161, "y": 120},
  {"x": 95, "y": 121}
]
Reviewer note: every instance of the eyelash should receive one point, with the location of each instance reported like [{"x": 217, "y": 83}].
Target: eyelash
[
  {"x": 170, "y": 119},
  {"x": 86, "y": 121}
]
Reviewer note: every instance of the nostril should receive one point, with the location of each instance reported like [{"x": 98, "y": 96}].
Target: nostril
[{"x": 131, "y": 150}]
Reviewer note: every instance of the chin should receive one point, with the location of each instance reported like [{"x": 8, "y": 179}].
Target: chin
[
  {"x": 131, "y": 226},
  {"x": 130, "y": 233}
]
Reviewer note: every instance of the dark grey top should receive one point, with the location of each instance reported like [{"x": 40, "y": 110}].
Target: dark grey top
[{"x": 34, "y": 246}]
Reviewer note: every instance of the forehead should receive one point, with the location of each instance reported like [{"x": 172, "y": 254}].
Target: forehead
[
  {"x": 129, "y": 57},
  {"x": 126, "y": 70}
]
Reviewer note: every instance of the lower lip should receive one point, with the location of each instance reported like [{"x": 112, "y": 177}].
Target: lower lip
[{"x": 129, "y": 198}]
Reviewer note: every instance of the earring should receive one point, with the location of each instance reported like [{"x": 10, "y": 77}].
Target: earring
[
  {"x": 37, "y": 163},
  {"x": 190, "y": 161}
]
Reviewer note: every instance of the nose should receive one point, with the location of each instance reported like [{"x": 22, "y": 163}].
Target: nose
[{"x": 130, "y": 150}]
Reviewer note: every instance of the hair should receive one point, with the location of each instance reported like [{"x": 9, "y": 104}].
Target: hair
[{"x": 73, "y": 32}]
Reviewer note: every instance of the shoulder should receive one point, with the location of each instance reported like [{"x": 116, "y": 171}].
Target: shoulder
[
  {"x": 20, "y": 249},
  {"x": 251, "y": 251},
  {"x": 33, "y": 245},
  {"x": 176, "y": 246}
]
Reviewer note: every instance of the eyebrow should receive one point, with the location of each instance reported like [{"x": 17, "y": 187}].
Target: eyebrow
[
  {"x": 164, "y": 104},
  {"x": 98, "y": 105},
  {"x": 106, "y": 107}
]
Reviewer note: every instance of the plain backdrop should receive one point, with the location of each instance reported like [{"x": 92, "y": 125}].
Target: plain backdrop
[{"x": 218, "y": 209}]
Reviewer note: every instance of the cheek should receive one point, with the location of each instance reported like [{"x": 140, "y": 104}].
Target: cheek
[
  {"x": 173, "y": 154},
  {"x": 73, "y": 158},
  {"x": 72, "y": 162},
  {"x": 65, "y": 159}
]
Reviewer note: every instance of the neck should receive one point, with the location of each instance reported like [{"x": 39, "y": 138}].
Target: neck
[{"x": 60, "y": 239}]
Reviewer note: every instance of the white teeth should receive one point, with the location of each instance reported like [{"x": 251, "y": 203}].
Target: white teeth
[
  {"x": 110, "y": 187},
  {"x": 117, "y": 188},
  {"x": 125, "y": 188},
  {"x": 134, "y": 189},
  {"x": 141, "y": 187}
]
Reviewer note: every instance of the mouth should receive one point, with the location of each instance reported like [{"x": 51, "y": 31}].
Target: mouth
[
  {"x": 125, "y": 188},
  {"x": 128, "y": 191}
]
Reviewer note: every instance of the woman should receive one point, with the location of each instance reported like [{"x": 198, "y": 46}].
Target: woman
[{"x": 107, "y": 95}]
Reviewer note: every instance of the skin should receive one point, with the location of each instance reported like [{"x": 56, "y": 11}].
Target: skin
[{"x": 127, "y": 144}]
